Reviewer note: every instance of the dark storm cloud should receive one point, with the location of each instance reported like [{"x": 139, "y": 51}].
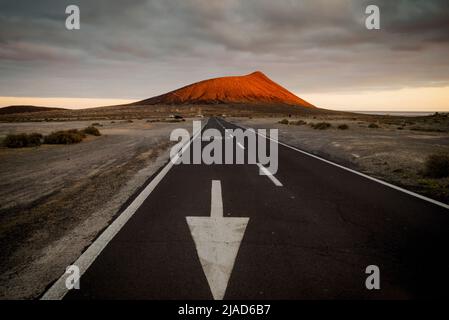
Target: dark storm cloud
[{"x": 140, "y": 48}]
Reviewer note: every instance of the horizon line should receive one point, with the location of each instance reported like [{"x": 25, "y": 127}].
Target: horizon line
[{"x": 401, "y": 100}]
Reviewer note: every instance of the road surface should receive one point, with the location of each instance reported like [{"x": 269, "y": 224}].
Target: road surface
[{"x": 308, "y": 232}]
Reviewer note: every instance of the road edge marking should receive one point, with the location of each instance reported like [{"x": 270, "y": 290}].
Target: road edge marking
[
  {"x": 270, "y": 175},
  {"x": 58, "y": 289}
]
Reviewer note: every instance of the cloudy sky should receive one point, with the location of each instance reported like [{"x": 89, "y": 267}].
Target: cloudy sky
[{"x": 135, "y": 49}]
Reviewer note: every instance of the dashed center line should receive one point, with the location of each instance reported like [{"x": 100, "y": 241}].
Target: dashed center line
[{"x": 265, "y": 171}]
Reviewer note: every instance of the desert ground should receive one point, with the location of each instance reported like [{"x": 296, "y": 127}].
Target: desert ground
[
  {"x": 393, "y": 149},
  {"x": 55, "y": 199}
]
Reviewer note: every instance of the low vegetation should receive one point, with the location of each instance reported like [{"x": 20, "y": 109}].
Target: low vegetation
[
  {"x": 22, "y": 140},
  {"x": 92, "y": 131},
  {"x": 437, "y": 166},
  {"x": 65, "y": 137},
  {"x": 298, "y": 123},
  {"x": 293, "y": 123},
  {"x": 321, "y": 125},
  {"x": 72, "y": 136},
  {"x": 171, "y": 120},
  {"x": 343, "y": 127},
  {"x": 373, "y": 126},
  {"x": 174, "y": 120}
]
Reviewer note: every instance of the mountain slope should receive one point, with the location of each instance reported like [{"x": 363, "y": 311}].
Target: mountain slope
[
  {"x": 255, "y": 88},
  {"x": 26, "y": 109}
]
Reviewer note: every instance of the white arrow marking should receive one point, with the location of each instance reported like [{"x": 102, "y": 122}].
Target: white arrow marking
[{"x": 217, "y": 241}]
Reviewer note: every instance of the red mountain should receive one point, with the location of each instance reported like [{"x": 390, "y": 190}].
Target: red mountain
[{"x": 255, "y": 88}]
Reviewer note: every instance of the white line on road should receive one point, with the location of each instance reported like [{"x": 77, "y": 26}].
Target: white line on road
[
  {"x": 265, "y": 170},
  {"x": 217, "y": 241},
  {"x": 270, "y": 175},
  {"x": 216, "y": 207},
  {"x": 58, "y": 290},
  {"x": 220, "y": 124}
]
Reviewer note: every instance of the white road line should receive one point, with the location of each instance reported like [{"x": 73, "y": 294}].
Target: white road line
[
  {"x": 265, "y": 170},
  {"x": 411, "y": 193},
  {"x": 220, "y": 123},
  {"x": 216, "y": 207},
  {"x": 58, "y": 290},
  {"x": 217, "y": 242},
  {"x": 270, "y": 175}
]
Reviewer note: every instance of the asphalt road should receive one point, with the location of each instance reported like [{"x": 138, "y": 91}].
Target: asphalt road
[{"x": 311, "y": 238}]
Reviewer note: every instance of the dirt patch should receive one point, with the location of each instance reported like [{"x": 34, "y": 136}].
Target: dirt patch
[{"x": 56, "y": 199}]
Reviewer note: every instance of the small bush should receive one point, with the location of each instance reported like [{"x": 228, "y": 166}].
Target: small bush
[
  {"x": 16, "y": 140},
  {"x": 373, "y": 126},
  {"x": 343, "y": 127},
  {"x": 34, "y": 139},
  {"x": 298, "y": 123},
  {"x": 437, "y": 166},
  {"x": 22, "y": 140},
  {"x": 65, "y": 137},
  {"x": 92, "y": 131},
  {"x": 283, "y": 121},
  {"x": 321, "y": 125}
]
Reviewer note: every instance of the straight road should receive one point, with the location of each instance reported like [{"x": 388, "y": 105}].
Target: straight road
[{"x": 308, "y": 232}]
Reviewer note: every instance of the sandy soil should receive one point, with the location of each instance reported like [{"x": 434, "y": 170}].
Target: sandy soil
[
  {"x": 394, "y": 152},
  {"x": 56, "y": 199}
]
